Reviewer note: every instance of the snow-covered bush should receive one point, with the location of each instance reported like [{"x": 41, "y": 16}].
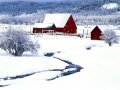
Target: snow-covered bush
[
  {"x": 17, "y": 42},
  {"x": 110, "y": 37}
]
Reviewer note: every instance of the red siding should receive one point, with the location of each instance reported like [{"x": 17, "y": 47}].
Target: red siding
[
  {"x": 96, "y": 33},
  {"x": 70, "y": 26},
  {"x": 59, "y": 29},
  {"x": 42, "y": 30},
  {"x": 37, "y": 30}
]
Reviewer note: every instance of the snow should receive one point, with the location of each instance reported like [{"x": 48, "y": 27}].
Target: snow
[
  {"x": 42, "y": 25},
  {"x": 58, "y": 19},
  {"x": 101, "y": 65},
  {"x": 5, "y": 27},
  {"x": 86, "y": 29},
  {"x": 110, "y": 6}
]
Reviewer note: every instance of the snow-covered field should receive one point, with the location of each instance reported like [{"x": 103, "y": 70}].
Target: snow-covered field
[{"x": 101, "y": 65}]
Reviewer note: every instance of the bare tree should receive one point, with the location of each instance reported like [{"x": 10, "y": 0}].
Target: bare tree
[
  {"x": 110, "y": 37},
  {"x": 17, "y": 42}
]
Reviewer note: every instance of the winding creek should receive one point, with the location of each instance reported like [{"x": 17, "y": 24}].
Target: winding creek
[{"x": 68, "y": 70}]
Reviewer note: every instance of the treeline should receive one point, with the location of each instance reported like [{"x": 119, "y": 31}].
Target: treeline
[
  {"x": 85, "y": 7},
  {"x": 79, "y": 19},
  {"x": 100, "y": 20},
  {"x": 23, "y": 18},
  {"x": 83, "y": 11}
]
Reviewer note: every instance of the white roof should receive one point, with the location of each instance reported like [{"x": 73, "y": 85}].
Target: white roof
[
  {"x": 58, "y": 19},
  {"x": 42, "y": 25}
]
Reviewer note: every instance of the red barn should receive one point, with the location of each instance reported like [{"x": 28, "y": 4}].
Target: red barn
[
  {"x": 62, "y": 23},
  {"x": 96, "y": 33}
]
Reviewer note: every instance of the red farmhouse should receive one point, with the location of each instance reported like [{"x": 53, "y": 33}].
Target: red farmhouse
[
  {"x": 96, "y": 33},
  {"x": 56, "y": 23}
]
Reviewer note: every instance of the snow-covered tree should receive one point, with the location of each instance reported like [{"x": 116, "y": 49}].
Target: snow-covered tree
[
  {"x": 110, "y": 37},
  {"x": 17, "y": 42}
]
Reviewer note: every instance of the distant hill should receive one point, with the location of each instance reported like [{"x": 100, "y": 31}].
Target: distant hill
[
  {"x": 85, "y": 7},
  {"x": 22, "y": 11}
]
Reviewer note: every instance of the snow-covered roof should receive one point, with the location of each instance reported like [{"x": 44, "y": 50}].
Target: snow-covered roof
[
  {"x": 42, "y": 25},
  {"x": 58, "y": 19}
]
